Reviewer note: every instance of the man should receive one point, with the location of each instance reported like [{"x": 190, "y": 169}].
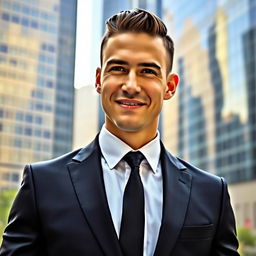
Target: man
[{"x": 100, "y": 200}]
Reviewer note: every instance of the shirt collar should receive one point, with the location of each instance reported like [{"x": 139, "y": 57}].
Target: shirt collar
[{"x": 113, "y": 149}]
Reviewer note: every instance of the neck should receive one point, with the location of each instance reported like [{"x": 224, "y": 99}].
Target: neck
[{"x": 136, "y": 139}]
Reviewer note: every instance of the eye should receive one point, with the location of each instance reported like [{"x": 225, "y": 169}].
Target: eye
[
  {"x": 117, "y": 68},
  {"x": 149, "y": 71}
]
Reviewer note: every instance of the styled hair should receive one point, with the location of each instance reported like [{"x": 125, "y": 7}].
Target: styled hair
[{"x": 138, "y": 21}]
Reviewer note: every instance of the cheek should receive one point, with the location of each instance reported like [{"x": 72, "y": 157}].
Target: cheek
[
  {"x": 107, "y": 92},
  {"x": 156, "y": 93}
]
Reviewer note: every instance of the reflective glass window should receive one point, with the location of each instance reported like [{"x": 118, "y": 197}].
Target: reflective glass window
[
  {"x": 38, "y": 120},
  {"x": 49, "y": 84},
  {"x": 34, "y": 24},
  {"x": 15, "y": 177},
  {"x": 3, "y": 48},
  {"x": 17, "y": 143},
  {"x": 25, "y": 22},
  {"x": 35, "y": 12},
  {"x": 47, "y": 134},
  {"x": 16, "y": 7},
  {"x": 15, "y": 19},
  {"x": 28, "y": 131},
  {"x": 19, "y": 116},
  {"x": 18, "y": 130},
  {"x": 6, "y": 16},
  {"x": 39, "y": 106},
  {"x": 38, "y": 133},
  {"x": 51, "y": 48},
  {"x": 25, "y": 10},
  {"x": 29, "y": 118}
]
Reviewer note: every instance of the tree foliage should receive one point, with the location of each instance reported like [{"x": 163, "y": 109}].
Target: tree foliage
[
  {"x": 247, "y": 241},
  {"x": 6, "y": 199}
]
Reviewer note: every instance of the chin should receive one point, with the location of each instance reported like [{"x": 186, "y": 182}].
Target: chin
[{"x": 128, "y": 127}]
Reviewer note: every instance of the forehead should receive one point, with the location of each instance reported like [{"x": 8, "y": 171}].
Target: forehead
[{"x": 135, "y": 46}]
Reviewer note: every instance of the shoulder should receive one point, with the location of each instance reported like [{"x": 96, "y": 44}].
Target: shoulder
[
  {"x": 198, "y": 175},
  {"x": 61, "y": 162},
  {"x": 55, "y": 162}
]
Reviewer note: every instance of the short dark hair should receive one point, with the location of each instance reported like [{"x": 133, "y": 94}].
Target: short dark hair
[{"x": 138, "y": 21}]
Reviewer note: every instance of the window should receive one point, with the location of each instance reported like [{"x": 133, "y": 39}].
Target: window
[
  {"x": 18, "y": 130},
  {"x": 29, "y": 118},
  {"x": 2, "y": 59},
  {"x": 28, "y": 131},
  {"x": 13, "y": 62},
  {"x": 34, "y": 12},
  {"x": 15, "y": 177},
  {"x": 25, "y": 22},
  {"x": 3, "y": 48},
  {"x": 42, "y": 58},
  {"x": 47, "y": 134},
  {"x": 6, "y": 16},
  {"x": 39, "y": 106},
  {"x": 51, "y": 48},
  {"x": 17, "y": 143},
  {"x": 38, "y": 133},
  {"x": 38, "y": 120},
  {"x": 48, "y": 108},
  {"x": 16, "y": 7},
  {"x": 34, "y": 24},
  {"x": 49, "y": 84},
  {"x": 40, "y": 82},
  {"x": 25, "y": 10},
  {"x": 15, "y": 19},
  {"x": 44, "y": 46},
  {"x": 6, "y": 176},
  {"x": 19, "y": 116}
]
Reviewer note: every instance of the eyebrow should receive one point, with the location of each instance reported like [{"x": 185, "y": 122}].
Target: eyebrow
[
  {"x": 117, "y": 61},
  {"x": 149, "y": 65},
  {"x": 143, "y": 64}
]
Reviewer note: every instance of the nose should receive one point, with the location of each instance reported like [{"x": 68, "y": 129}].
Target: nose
[{"x": 130, "y": 84}]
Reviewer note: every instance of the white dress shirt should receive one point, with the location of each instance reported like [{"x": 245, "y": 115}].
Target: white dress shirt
[{"x": 116, "y": 173}]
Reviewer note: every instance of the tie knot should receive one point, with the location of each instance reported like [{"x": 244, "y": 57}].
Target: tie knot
[{"x": 134, "y": 158}]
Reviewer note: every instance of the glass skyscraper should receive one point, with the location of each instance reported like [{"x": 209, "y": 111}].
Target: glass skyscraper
[
  {"x": 211, "y": 122},
  {"x": 37, "y": 52}
]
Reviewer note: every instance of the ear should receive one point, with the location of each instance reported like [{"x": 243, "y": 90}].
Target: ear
[
  {"x": 97, "y": 80},
  {"x": 172, "y": 83}
]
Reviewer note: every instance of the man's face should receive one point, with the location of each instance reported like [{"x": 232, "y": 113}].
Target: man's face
[{"x": 133, "y": 82}]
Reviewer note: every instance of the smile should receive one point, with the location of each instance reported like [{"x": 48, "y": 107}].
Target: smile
[{"x": 130, "y": 103}]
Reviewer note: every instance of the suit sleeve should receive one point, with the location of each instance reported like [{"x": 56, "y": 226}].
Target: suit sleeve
[
  {"x": 22, "y": 234},
  {"x": 226, "y": 242}
]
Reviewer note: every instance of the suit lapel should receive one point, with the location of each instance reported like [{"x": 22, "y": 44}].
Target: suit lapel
[
  {"x": 87, "y": 178},
  {"x": 176, "y": 193}
]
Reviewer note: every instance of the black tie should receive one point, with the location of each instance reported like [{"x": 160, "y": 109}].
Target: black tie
[{"x": 132, "y": 225}]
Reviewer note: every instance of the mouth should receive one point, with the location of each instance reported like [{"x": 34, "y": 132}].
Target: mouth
[{"x": 129, "y": 103}]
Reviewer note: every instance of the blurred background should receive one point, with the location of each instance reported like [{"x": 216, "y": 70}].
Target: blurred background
[{"x": 49, "y": 50}]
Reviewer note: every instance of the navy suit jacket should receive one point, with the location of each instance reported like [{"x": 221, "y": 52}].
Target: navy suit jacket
[{"x": 61, "y": 209}]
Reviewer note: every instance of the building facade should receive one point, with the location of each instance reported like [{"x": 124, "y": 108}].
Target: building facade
[
  {"x": 211, "y": 122},
  {"x": 37, "y": 50}
]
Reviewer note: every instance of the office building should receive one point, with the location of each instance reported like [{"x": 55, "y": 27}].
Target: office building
[
  {"x": 211, "y": 121},
  {"x": 37, "y": 45}
]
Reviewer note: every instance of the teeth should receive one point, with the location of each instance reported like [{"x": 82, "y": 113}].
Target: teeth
[{"x": 130, "y": 104}]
